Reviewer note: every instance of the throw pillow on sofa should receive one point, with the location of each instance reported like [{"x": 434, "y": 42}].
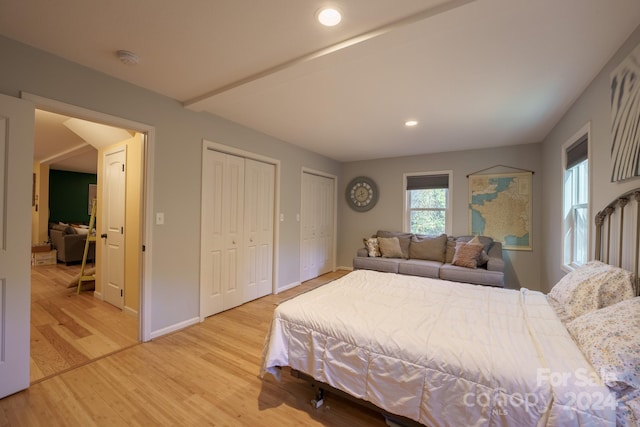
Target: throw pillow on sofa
[
  {"x": 403, "y": 238},
  {"x": 373, "y": 248},
  {"x": 467, "y": 254},
  {"x": 390, "y": 247},
  {"x": 485, "y": 241},
  {"x": 428, "y": 247}
]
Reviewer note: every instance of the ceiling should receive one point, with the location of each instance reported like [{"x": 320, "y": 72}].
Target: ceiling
[{"x": 473, "y": 73}]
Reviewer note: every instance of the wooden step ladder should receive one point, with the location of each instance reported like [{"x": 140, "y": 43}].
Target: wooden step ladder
[{"x": 91, "y": 238}]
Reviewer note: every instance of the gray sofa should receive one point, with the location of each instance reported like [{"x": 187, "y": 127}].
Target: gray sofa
[
  {"x": 439, "y": 266},
  {"x": 69, "y": 244}
]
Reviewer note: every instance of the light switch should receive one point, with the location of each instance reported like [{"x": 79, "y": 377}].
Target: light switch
[
  {"x": 298, "y": 217},
  {"x": 159, "y": 218},
  {"x": 281, "y": 217}
]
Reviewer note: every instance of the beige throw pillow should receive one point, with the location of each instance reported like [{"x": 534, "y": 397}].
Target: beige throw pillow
[
  {"x": 390, "y": 247},
  {"x": 403, "y": 238},
  {"x": 467, "y": 255},
  {"x": 428, "y": 248}
]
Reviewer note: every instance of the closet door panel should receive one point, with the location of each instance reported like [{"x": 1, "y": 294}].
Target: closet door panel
[{"x": 259, "y": 216}]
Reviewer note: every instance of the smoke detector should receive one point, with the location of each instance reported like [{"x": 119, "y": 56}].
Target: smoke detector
[{"x": 127, "y": 57}]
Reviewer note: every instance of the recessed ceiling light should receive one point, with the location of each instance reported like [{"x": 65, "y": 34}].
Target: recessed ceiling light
[
  {"x": 128, "y": 58},
  {"x": 329, "y": 16},
  {"x": 411, "y": 123}
]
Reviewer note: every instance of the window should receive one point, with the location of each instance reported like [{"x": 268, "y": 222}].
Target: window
[
  {"x": 576, "y": 202},
  {"x": 427, "y": 208}
]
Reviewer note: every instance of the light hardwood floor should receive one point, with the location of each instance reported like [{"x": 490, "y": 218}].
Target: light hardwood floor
[
  {"x": 70, "y": 330},
  {"x": 206, "y": 374}
]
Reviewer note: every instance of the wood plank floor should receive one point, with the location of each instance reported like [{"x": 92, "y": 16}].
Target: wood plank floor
[
  {"x": 206, "y": 374},
  {"x": 70, "y": 330}
]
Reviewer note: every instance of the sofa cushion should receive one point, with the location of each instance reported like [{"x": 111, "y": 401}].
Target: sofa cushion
[
  {"x": 467, "y": 255},
  {"x": 477, "y": 276},
  {"x": 373, "y": 248},
  {"x": 428, "y": 247},
  {"x": 451, "y": 249},
  {"x": 390, "y": 247},
  {"x": 62, "y": 227},
  {"x": 376, "y": 263},
  {"x": 403, "y": 238},
  {"x": 422, "y": 268}
]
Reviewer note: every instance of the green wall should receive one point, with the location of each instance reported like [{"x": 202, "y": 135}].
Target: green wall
[{"x": 69, "y": 196}]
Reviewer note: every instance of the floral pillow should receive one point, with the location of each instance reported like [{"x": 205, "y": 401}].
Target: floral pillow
[
  {"x": 610, "y": 340},
  {"x": 373, "y": 248},
  {"x": 467, "y": 254},
  {"x": 590, "y": 287}
]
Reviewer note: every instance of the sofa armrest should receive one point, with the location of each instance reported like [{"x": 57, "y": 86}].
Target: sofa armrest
[
  {"x": 363, "y": 252},
  {"x": 496, "y": 262}
]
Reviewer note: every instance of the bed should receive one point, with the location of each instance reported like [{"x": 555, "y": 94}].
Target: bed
[{"x": 448, "y": 354}]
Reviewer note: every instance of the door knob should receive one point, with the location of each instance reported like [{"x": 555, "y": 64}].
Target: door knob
[{"x": 103, "y": 235}]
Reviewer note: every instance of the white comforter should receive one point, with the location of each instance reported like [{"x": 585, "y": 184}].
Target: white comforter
[{"x": 441, "y": 353}]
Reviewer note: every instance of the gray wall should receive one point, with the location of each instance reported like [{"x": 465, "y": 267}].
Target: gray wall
[
  {"x": 176, "y": 180},
  {"x": 522, "y": 267},
  {"x": 594, "y": 105}
]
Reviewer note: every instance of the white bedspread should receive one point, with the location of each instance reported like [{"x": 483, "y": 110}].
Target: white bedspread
[{"x": 441, "y": 353}]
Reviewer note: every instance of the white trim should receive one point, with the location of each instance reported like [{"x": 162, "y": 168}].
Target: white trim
[
  {"x": 584, "y": 130},
  {"x": 216, "y": 146},
  {"x": 448, "y": 212},
  {"x": 289, "y": 286},
  {"x": 335, "y": 212},
  {"x": 146, "y": 281},
  {"x": 175, "y": 327},
  {"x": 130, "y": 311}
]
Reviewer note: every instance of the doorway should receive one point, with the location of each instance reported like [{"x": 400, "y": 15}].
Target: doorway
[{"x": 79, "y": 332}]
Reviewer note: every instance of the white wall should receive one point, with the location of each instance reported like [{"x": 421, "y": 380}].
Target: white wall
[
  {"x": 594, "y": 105},
  {"x": 522, "y": 267},
  {"x": 176, "y": 183}
]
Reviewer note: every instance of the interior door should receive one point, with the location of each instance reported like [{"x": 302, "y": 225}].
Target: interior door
[
  {"x": 258, "y": 228},
  {"x": 16, "y": 158},
  {"x": 317, "y": 224},
  {"x": 308, "y": 223},
  {"x": 112, "y": 224},
  {"x": 324, "y": 255},
  {"x": 221, "y": 267}
]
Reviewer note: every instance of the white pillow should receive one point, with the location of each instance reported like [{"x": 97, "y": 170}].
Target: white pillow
[
  {"x": 590, "y": 287},
  {"x": 610, "y": 339}
]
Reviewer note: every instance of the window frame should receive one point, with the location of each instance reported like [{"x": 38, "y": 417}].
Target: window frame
[
  {"x": 406, "y": 217},
  {"x": 568, "y": 210}
]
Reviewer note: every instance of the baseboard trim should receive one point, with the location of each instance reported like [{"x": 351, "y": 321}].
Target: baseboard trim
[
  {"x": 345, "y": 268},
  {"x": 287, "y": 287},
  {"x": 130, "y": 311},
  {"x": 174, "y": 327},
  {"x": 98, "y": 295}
]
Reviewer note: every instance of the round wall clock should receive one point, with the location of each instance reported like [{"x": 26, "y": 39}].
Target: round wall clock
[{"x": 362, "y": 193}]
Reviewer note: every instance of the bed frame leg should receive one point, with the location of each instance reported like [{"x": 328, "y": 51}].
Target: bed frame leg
[{"x": 319, "y": 400}]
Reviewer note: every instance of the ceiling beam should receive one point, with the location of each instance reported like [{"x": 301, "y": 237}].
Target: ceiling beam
[{"x": 196, "y": 102}]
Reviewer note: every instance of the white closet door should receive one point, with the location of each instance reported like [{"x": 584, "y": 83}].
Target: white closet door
[
  {"x": 317, "y": 224},
  {"x": 325, "y": 225},
  {"x": 221, "y": 268},
  {"x": 258, "y": 228}
]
